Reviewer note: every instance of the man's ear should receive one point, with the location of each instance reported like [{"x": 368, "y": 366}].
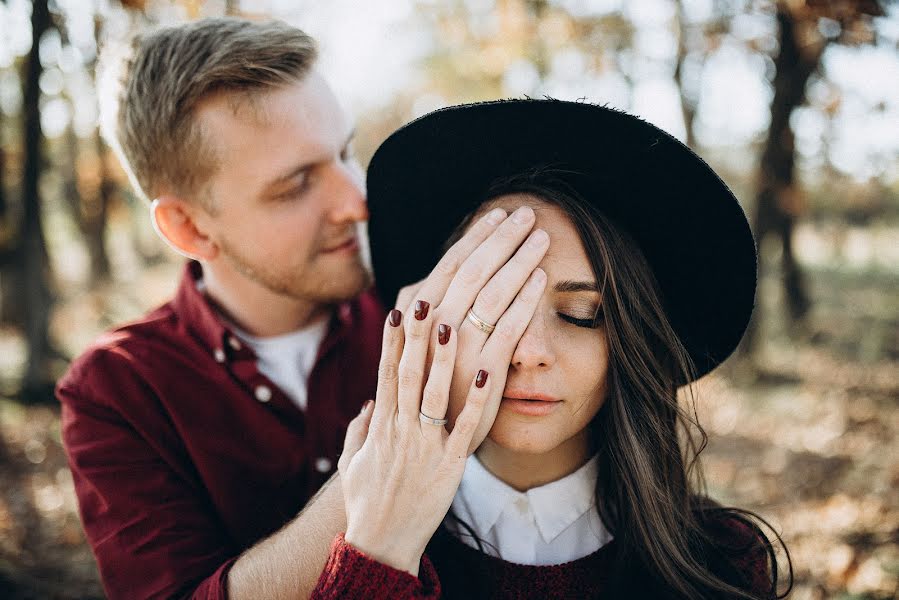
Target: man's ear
[{"x": 175, "y": 222}]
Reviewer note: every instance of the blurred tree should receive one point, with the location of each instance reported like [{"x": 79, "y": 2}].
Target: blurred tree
[
  {"x": 38, "y": 380},
  {"x": 87, "y": 186},
  {"x": 778, "y": 201},
  {"x": 12, "y": 306}
]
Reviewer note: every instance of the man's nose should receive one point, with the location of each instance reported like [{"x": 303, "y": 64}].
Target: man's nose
[{"x": 350, "y": 204}]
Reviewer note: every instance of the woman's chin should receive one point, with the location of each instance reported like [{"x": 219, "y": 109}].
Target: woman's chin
[{"x": 521, "y": 439}]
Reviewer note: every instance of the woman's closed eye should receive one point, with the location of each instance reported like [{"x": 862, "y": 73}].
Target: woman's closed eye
[{"x": 591, "y": 322}]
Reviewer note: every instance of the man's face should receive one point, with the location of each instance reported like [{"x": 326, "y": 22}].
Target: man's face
[{"x": 287, "y": 196}]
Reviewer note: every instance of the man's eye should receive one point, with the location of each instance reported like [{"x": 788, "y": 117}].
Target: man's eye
[
  {"x": 296, "y": 191},
  {"x": 588, "y": 323}
]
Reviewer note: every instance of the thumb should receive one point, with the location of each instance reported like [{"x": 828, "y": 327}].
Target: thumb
[{"x": 356, "y": 433}]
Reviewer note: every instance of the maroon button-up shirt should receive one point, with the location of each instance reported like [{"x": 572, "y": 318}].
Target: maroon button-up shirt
[{"x": 184, "y": 454}]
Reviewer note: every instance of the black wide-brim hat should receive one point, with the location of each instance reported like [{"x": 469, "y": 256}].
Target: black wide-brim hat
[{"x": 431, "y": 173}]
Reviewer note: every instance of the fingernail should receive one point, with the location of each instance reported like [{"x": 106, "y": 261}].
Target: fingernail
[
  {"x": 496, "y": 216},
  {"x": 365, "y": 405},
  {"x": 538, "y": 238},
  {"x": 443, "y": 334},
  {"x": 481, "y": 379},
  {"x": 395, "y": 318},
  {"x": 523, "y": 215},
  {"x": 421, "y": 309}
]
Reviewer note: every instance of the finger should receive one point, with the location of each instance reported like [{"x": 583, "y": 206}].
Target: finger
[
  {"x": 457, "y": 445},
  {"x": 496, "y": 355},
  {"x": 493, "y": 300},
  {"x": 407, "y": 294},
  {"x": 501, "y": 344},
  {"x": 356, "y": 432},
  {"x": 412, "y": 363},
  {"x": 437, "y": 282},
  {"x": 483, "y": 263},
  {"x": 388, "y": 368},
  {"x": 436, "y": 393}
]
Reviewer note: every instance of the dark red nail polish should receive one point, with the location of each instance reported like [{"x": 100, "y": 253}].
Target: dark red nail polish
[
  {"x": 443, "y": 333},
  {"x": 421, "y": 309},
  {"x": 481, "y": 380},
  {"x": 395, "y": 318}
]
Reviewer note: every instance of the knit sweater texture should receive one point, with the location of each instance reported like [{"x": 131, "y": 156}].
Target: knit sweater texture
[{"x": 451, "y": 569}]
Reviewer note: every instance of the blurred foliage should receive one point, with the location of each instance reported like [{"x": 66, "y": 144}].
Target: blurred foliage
[{"x": 803, "y": 428}]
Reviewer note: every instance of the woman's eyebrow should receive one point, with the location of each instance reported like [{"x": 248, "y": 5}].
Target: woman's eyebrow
[{"x": 576, "y": 286}]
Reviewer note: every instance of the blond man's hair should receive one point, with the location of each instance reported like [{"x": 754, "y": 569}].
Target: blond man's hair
[{"x": 151, "y": 85}]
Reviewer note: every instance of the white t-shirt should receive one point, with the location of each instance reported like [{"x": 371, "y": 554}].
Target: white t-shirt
[
  {"x": 547, "y": 525},
  {"x": 288, "y": 359}
]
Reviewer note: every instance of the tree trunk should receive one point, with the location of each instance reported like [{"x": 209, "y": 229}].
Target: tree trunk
[
  {"x": 686, "y": 103},
  {"x": 777, "y": 199},
  {"x": 89, "y": 209},
  {"x": 4, "y": 208},
  {"x": 35, "y": 289},
  {"x": 96, "y": 214},
  {"x": 11, "y": 306}
]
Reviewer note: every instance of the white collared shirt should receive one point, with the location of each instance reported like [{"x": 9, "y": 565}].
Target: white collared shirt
[
  {"x": 546, "y": 525},
  {"x": 288, "y": 359}
]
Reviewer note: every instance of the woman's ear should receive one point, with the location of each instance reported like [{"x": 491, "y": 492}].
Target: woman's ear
[{"x": 174, "y": 221}]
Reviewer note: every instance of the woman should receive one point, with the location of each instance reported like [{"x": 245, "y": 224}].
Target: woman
[{"x": 586, "y": 485}]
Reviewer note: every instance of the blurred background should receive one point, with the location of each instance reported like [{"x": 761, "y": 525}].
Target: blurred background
[{"x": 794, "y": 102}]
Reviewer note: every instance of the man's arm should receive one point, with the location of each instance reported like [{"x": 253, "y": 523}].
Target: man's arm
[
  {"x": 288, "y": 563},
  {"x": 151, "y": 527}
]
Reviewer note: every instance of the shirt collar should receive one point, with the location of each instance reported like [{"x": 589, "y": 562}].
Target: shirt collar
[
  {"x": 558, "y": 504},
  {"x": 199, "y": 316},
  {"x": 482, "y": 498}
]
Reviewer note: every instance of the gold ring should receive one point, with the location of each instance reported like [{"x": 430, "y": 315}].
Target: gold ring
[
  {"x": 426, "y": 419},
  {"x": 480, "y": 323}
]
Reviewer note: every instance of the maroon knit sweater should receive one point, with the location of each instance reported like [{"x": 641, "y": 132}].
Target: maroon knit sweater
[{"x": 452, "y": 569}]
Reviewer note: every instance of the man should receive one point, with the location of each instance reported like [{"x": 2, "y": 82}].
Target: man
[
  {"x": 205, "y": 426},
  {"x": 197, "y": 434}
]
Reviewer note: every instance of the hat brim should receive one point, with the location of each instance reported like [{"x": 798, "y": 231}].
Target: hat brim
[{"x": 431, "y": 173}]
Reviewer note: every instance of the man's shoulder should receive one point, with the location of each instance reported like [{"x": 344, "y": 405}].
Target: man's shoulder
[{"x": 130, "y": 347}]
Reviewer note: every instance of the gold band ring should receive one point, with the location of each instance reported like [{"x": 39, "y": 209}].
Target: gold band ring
[{"x": 480, "y": 323}]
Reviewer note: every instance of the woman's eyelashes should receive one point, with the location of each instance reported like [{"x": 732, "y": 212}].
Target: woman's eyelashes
[{"x": 587, "y": 322}]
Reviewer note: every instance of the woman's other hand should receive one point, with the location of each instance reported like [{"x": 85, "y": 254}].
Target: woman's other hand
[
  {"x": 485, "y": 272},
  {"x": 400, "y": 469}
]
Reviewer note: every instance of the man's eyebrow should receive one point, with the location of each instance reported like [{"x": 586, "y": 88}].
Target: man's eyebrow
[
  {"x": 576, "y": 286},
  {"x": 300, "y": 169}
]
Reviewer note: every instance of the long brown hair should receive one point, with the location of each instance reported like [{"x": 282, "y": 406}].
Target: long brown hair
[{"x": 650, "y": 491}]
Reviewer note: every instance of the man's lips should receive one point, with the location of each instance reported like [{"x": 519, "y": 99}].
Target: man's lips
[{"x": 348, "y": 245}]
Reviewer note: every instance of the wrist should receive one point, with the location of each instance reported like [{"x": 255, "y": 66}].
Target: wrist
[{"x": 391, "y": 554}]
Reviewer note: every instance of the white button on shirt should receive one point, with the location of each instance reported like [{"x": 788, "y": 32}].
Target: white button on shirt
[
  {"x": 286, "y": 359},
  {"x": 263, "y": 393},
  {"x": 546, "y": 525}
]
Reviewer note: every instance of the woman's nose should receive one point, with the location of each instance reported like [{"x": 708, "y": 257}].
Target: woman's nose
[{"x": 534, "y": 349}]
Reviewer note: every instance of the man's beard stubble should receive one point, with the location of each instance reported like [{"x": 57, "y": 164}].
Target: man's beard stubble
[{"x": 329, "y": 289}]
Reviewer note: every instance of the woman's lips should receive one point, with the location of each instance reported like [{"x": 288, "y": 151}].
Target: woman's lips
[{"x": 530, "y": 403}]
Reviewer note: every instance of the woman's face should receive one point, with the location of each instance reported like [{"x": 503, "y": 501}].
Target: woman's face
[{"x": 557, "y": 377}]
